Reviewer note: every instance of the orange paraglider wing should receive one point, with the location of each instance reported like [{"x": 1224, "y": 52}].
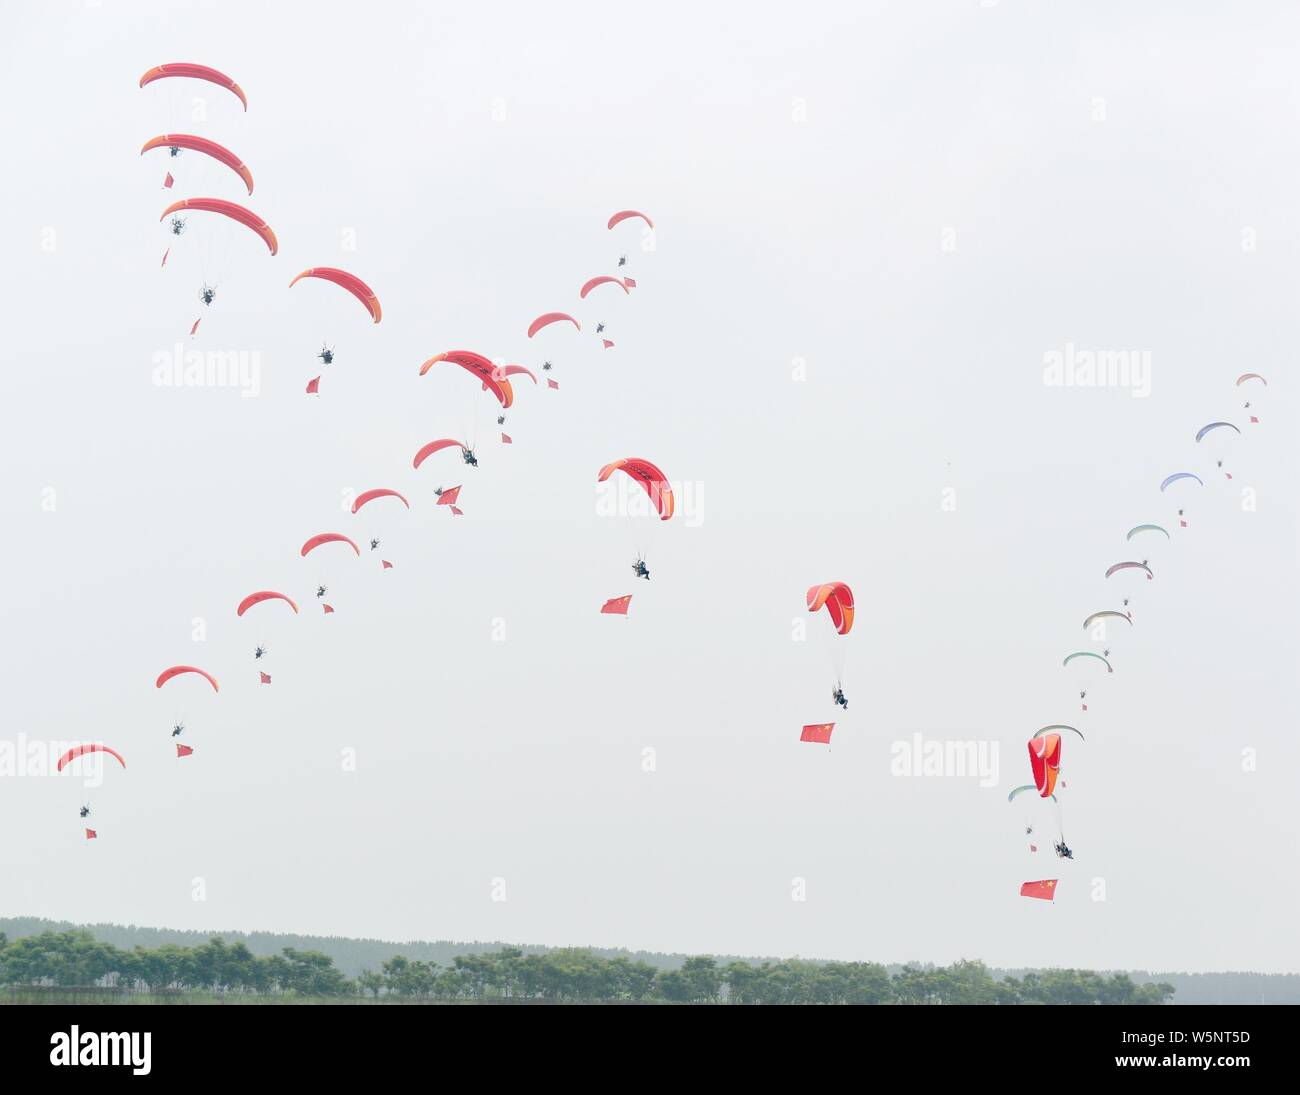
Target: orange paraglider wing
[
  {"x": 350, "y": 282},
  {"x": 650, "y": 477},
  {"x": 246, "y": 217},
  {"x": 194, "y": 72}
]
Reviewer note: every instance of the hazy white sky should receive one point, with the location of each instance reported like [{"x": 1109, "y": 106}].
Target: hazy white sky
[{"x": 907, "y": 206}]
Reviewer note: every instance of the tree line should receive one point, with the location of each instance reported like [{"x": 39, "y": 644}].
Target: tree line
[{"x": 73, "y": 959}]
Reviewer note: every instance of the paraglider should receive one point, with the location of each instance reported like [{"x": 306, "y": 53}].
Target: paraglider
[
  {"x": 177, "y": 141},
  {"x": 625, "y": 214},
  {"x": 1207, "y": 428},
  {"x": 650, "y": 478},
  {"x": 235, "y": 212},
  {"x": 178, "y": 670},
  {"x": 839, "y": 697},
  {"x": 1130, "y": 565},
  {"x": 328, "y": 538},
  {"x": 467, "y": 455},
  {"x": 177, "y": 227},
  {"x": 1045, "y": 761},
  {"x": 641, "y": 570},
  {"x": 321, "y": 591},
  {"x": 208, "y": 295},
  {"x": 1177, "y": 476},
  {"x": 428, "y": 450},
  {"x": 1087, "y": 654},
  {"x": 350, "y": 282},
  {"x": 1062, "y": 851},
  {"x": 264, "y": 595},
  {"x": 1251, "y": 376},
  {"x": 374, "y": 544},
  {"x": 188, "y": 70},
  {"x": 378, "y": 492},
  {"x": 1145, "y": 528},
  {"x": 1107, "y": 614},
  {"x": 85, "y": 811},
  {"x": 547, "y": 318},
  {"x": 837, "y": 598},
  {"x": 259, "y": 653},
  {"x": 178, "y": 730},
  {"x": 326, "y": 355},
  {"x": 1058, "y": 726},
  {"x": 81, "y": 750},
  {"x": 480, "y": 367},
  {"x": 602, "y": 279}
]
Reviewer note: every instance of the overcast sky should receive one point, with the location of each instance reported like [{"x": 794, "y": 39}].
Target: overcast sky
[{"x": 873, "y": 225}]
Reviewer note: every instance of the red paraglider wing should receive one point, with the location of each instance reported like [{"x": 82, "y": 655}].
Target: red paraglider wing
[
  {"x": 207, "y": 147},
  {"x": 350, "y": 282},
  {"x": 435, "y": 446},
  {"x": 548, "y": 318},
  {"x": 627, "y": 214},
  {"x": 378, "y": 492},
  {"x": 1045, "y": 760},
  {"x": 235, "y": 212},
  {"x": 328, "y": 538},
  {"x": 177, "y": 670},
  {"x": 604, "y": 279},
  {"x": 194, "y": 72},
  {"x": 481, "y": 367},
  {"x": 651, "y": 478},
  {"x": 838, "y": 599},
  {"x": 264, "y": 595},
  {"x": 81, "y": 750}
]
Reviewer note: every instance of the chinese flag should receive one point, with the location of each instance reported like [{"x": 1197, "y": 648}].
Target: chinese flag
[
  {"x": 1033, "y": 847},
  {"x": 164, "y": 261},
  {"x": 1182, "y": 524},
  {"x": 505, "y": 439},
  {"x": 313, "y": 386},
  {"x": 266, "y": 678},
  {"x": 1044, "y": 889},
  {"x": 387, "y": 564},
  {"x": 551, "y": 383},
  {"x": 183, "y": 750},
  {"x": 819, "y": 733},
  {"x": 328, "y": 608},
  {"x": 629, "y": 283},
  {"x": 458, "y": 511},
  {"x": 168, "y": 182},
  {"x": 449, "y": 496},
  {"x": 91, "y": 834},
  {"x": 617, "y": 606},
  {"x": 1254, "y": 419},
  {"x": 1084, "y": 706},
  {"x": 196, "y": 324},
  {"x": 608, "y": 345}
]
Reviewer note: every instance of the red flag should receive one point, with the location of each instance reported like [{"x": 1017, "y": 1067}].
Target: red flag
[
  {"x": 1033, "y": 847},
  {"x": 164, "y": 261},
  {"x": 458, "y": 511},
  {"x": 818, "y": 732},
  {"x": 617, "y": 606},
  {"x": 196, "y": 324},
  {"x": 328, "y": 608},
  {"x": 266, "y": 678},
  {"x": 91, "y": 834},
  {"x": 551, "y": 383},
  {"x": 505, "y": 439},
  {"x": 313, "y": 386},
  {"x": 387, "y": 564},
  {"x": 1228, "y": 474},
  {"x": 1254, "y": 419},
  {"x": 449, "y": 496},
  {"x": 1182, "y": 524},
  {"x": 629, "y": 283},
  {"x": 1084, "y": 706},
  {"x": 608, "y": 345},
  {"x": 167, "y": 182},
  {"x": 1044, "y": 889},
  {"x": 183, "y": 750}
]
